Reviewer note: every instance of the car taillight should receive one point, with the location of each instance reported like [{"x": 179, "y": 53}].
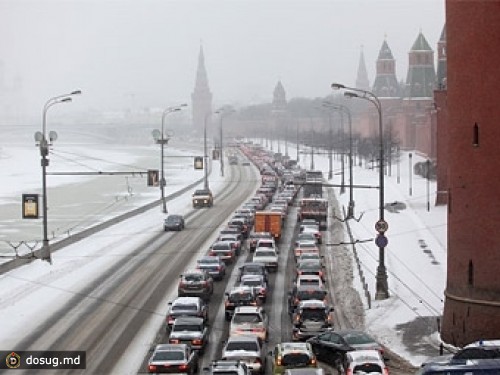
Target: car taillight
[
  {"x": 152, "y": 368},
  {"x": 212, "y": 253},
  {"x": 278, "y": 361},
  {"x": 257, "y": 330},
  {"x": 197, "y": 342},
  {"x": 313, "y": 361},
  {"x": 181, "y": 284},
  {"x": 183, "y": 367},
  {"x": 219, "y": 268},
  {"x": 257, "y": 360},
  {"x": 226, "y": 303},
  {"x": 170, "y": 319},
  {"x": 175, "y": 341},
  {"x": 386, "y": 371},
  {"x": 349, "y": 372}
]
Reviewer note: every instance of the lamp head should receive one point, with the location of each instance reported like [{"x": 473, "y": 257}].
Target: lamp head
[
  {"x": 350, "y": 94},
  {"x": 156, "y": 134},
  {"x": 76, "y": 92},
  {"x": 337, "y": 86},
  {"x": 65, "y": 100},
  {"x": 38, "y": 136},
  {"x": 52, "y": 136}
]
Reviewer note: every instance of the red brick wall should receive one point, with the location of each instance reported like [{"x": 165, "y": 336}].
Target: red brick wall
[
  {"x": 441, "y": 114},
  {"x": 472, "y": 306}
]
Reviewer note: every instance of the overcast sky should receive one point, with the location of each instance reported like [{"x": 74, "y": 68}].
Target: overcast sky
[{"x": 143, "y": 53}]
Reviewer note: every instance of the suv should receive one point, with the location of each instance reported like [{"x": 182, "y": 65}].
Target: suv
[
  {"x": 248, "y": 350},
  {"x": 289, "y": 355},
  {"x": 178, "y": 358},
  {"x": 203, "y": 198},
  {"x": 191, "y": 331},
  {"x": 187, "y": 306},
  {"x": 223, "y": 249},
  {"x": 213, "y": 265},
  {"x": 239, "y": 296},
  {"x": 195, "y": 283},
  {"x": 225, "y": 367},
  {"x": 311, "y": 318}
]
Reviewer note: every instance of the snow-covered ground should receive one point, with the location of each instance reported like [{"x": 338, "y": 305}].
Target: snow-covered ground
[{"x": 415, "y": 256}]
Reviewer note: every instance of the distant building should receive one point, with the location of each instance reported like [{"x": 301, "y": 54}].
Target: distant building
[
  {"x": 278, "y": 114},
  {"x": 386, "y": 84},
  {"x": 472, "y": 295},
  {"x": 201, "y": 97},
  {"x": 362, "y": 81}
]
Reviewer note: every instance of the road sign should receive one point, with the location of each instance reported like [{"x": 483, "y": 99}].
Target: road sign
[
  {"x": 381, "y": 241},
  {"x": 381, "y": 226}
]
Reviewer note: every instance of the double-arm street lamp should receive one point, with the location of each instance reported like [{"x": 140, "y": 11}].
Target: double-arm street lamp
[
  {"x": 382, "y": 289},
  {"x": 44, "y": 144},
  {"x": 162, "y": 139},
  {"x": 224, "y": 111},
  {"x": 343, "y": 109}
]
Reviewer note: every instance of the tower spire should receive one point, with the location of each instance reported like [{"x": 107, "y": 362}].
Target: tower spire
[
  {"x": 201, "y": 97},
  {"x": 362, "y": 81}
]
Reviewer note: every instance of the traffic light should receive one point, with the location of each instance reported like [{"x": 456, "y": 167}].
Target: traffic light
[
  {"x": 153, "y": 177},
  {"x": 30, "y": 206},
  {"x": 198, "y": 162}
]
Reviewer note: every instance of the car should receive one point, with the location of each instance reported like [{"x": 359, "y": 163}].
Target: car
[
  {"x": 251, "y": 268},
  {"x": 195, "y": 283},
  {"x": 239, "y": 296},
  {"x": 314, "y": 230},
  {"x": 302, "y": 237},
  {"x": 186, "y": 306},
  {"x": 212, "y": 264},
  {"x": 249, "y": 320},
  {"x": 305, "y": 371},
  {"x": 224, "y": 250},
  {"x": 332, "y": 346},
  {"x": 306, "y": 280},
  {"x": 248, "y": 213},
  {"x": 304, "y": 248},
  {"x": 266, "y": 256},
  {"x": 191, "y": 331},
  {"x": 468, "y": 367},
  {"x": 280, "y": 209},
  {"x": 234, "y": 240},
  {"x": 241, "y": 224},
  {"x": 291, "y": 355},
  {"x": 226, "y": 367},
  {"x": 267, "y": 243},
  {"x": 310, "y": 318},
  {"x": 232, "y": 231},
  {"x": 173, "y": 358},
  {"x": 253, "y": 238},
  {"x": 365, "y": 362},
  {"x": 483, "y": 349},
  {"x": 202, "y": 198},
  {"x": 257, "y": 283},
  {"x": 311, "y": 267},
  {"x": 246, "y": 349},
  {"x": 173, "y": 222},
  {"x": 305, "y": 293}
]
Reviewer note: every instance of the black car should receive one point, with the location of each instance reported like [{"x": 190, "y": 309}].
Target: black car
[
  {"x": 173, "y": 222},
  {"x": 253, "y": 268},
  {"x": 331, "y": 346},
  {"x": 173, "y": 358},
  {"x": 239, "y": 296}
]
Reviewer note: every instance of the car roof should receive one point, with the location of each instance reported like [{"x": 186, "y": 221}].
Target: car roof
[
  {"x": 248, "y": 309},
  {"x": 241, "y": 289},
  {"x": 186, "y": 301},
  {"x": 312, "y": 303},
  {"x": 365, "y": 355},
  {"x": 188, "y": 320},
  {"x": 193, "y": 271},
  {"x": 252, "y": 277},
  {"x": 169, "y": 347},
  {"x": 243, "y": 338},
  {"x": 287, "y": 347},
  {"x": 209, "y": 257}
]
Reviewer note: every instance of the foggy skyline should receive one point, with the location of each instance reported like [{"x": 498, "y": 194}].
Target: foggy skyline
[{"x": 126, "y": 54}]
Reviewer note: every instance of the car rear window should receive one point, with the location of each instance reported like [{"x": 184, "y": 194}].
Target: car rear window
[
  {"x": 169, "y": 355},
  {"x": 313, "y": 314},
  {"x": 187, "y": 327},
  {"x": 185, "y": 307},
  {"x": 246, "y": 318},
  {"x": 295, "y": 359},
  {"x": 368, "y": 368},
  {"x": 240, "y": 297},
  {"x": 311, "y": 294},
  {"x": 193, "y": 277},
  {"x": 242, "y": 345}
]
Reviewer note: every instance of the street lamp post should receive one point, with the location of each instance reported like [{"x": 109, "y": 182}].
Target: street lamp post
[
  {"x": 205, "y": 157},
  {"x": 43, "y": 143},
  {"x": 162, "y": 139},
  {"x": 382, "y": 289},
  {"x": 343, "y": 109},
  {"x": 410, "y": 173},
  {"x": 222, "y": 111}
]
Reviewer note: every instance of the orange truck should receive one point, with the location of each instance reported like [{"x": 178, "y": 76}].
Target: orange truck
[{"x": 267, "y": 221}]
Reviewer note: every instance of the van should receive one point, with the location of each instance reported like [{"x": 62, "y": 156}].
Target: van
[{"x": 466, "y": 367}]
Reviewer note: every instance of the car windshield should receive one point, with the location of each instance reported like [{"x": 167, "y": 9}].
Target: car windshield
[
  {"x": 173, "y": 219},
  {"x": 311, "y": 294},
  {"x": 193, "y": 277},
  {"x": 187, "y": 327},
  {"x": 313, "y": 314},
  {"x": 309, "y": 282},
  {"x": 242, "y": 345},
  {"x": 246, "y": 318},
  {"x": 265, "y": 244},
  {"x": 240, "y": 297},
  {"x": 295, "y": 359},
  {"x": 265, "y": 253},
  {"x": 184, "y": 307},
  {"x": 208, "y": 261},
  {"x": 168, "y": 355}
]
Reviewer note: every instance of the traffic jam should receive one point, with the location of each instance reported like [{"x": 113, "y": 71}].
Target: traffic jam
[{"x": 245, "y": 259}]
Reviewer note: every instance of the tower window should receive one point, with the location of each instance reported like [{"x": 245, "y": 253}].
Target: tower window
[
  {"x": 471, "y": 273},
  {"x": 475, "y": 136}
]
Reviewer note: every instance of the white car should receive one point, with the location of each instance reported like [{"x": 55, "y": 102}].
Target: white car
[
  {"x": 306, "y": 280},
  {"x": 249, "y": 321},
  {"x": 267, "y": 256},
  {"x": 247, "y": 349},
  {"x": 365, "y": 362}
]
